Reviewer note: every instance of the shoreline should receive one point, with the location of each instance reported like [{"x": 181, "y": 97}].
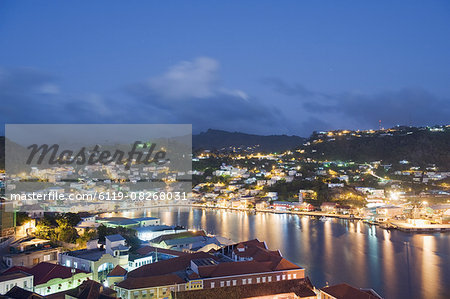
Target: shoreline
[{"x": 405, "y": 227}]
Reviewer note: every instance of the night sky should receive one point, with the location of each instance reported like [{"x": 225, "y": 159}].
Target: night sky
[{"x": 266, "y": 67}]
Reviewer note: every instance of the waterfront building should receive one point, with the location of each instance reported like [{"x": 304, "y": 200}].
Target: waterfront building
[
  {"x": 287, "y": 205},
  {"x": 388, "y": 212},
  {"x": 241, "y": 264},
  {"x": 328, "y": 207},
  {"x": 346, "y": 291},
  {"x": 285, "y": 289}
]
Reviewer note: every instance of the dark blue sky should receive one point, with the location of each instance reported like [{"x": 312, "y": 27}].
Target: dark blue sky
[{"x": 254, "y": 66}]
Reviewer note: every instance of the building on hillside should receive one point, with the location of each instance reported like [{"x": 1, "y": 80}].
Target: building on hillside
[
  {"x": 7, "y": 220},
  {"x": 30, "y": 252},
  {"x": 240, "y": 264},
  {"x": 306, "y": 194},
  {"x": 52, "y": 278},
  {"x": 20, "y": 279},
  {"x": 346, "y": 291},
  {"x": 100, "y": 261}
]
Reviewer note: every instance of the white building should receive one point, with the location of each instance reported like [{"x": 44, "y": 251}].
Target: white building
[{"x": 20, "y": 279}]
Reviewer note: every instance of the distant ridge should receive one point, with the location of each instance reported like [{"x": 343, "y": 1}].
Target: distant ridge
[{"x": 218, "y": 139}]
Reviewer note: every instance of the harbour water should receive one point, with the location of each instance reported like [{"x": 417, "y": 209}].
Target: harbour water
[{"x": 394, "y": 263}]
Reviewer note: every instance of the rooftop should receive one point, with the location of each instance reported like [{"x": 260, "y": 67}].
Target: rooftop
[
  {"x": 178, "y": 236},
  {"x": 300, "y": 287},
  {"x": 117, "y": 271},
  {"x": 153, "y": 281},
  {"x": 115, "y": 238},
  {"x": 149, "y": 249},
  {"x": 180, "y": 263},
  {"x": 43, "y": 272},
  {"x": 20, "y": 293},
  {"x": 346, "y": 291},
  {"x": 11, "y": 276},
  {"x": 87, "y": 254},
  {"x": 154, "y": 228}
]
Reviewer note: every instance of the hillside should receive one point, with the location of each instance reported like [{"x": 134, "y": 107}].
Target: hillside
[
  {"x": 217, "y": 139},
  {"x": 419, "y": 146}
]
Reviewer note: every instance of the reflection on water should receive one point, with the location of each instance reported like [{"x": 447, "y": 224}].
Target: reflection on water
[{"x": 395, "y": 264}]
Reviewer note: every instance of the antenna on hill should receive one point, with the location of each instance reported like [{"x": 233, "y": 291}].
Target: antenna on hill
[{"x": 379, "y": 125}]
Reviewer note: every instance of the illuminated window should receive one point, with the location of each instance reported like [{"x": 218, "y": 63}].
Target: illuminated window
[
  {"x": 222, "y": 284},
  {"x": 289, "y": 276},
  {"x": 295, "y": 275},
  {"x": 264, "y": 279},
  {"x": 284, "y": 277},
  {"x": 228, "y": 283},
  {"x": 212, "y": 285},
  {"x": 244, "y": 281},
  {"x": 269, "y": 279},
  {"x": 234, "y": 282},
  {"x": 278, "y": 277},
  {"x": 258, "y": 280}
]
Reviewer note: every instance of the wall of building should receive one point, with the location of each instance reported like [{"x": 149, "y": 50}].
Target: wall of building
[
  {"x": 23, "y": 282},
  {"x": 207, "y": 283},
  {"x": 29, "y": 259},
  {"x": 154, "y": 293},
  {"x": 59, "y": 284},
  {"x": 253, "y": 278}
]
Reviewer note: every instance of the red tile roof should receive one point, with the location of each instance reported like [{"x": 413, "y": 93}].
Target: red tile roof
[
  {"x": 91, "y": 289},
  {"x": 44, "y": 272},
  {"x": 168, "y": 266},
  {"x": 147, "y": 249},
  {"x": 300, "y": 287},
  {"x": 16, "y": 269},
  {"x": 152, "y": 281},
  {"x": 234, "y": 268},
  {"x": 346, "y": 291},
  {"x": 17, "y": 292},
  {"x": 117, "y": 271},
  {"x": 259, "y": 252}
]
